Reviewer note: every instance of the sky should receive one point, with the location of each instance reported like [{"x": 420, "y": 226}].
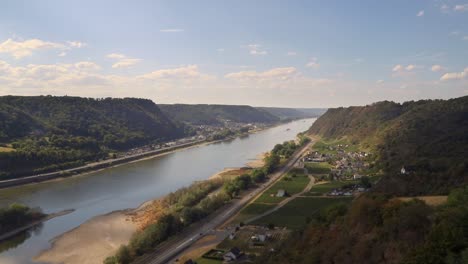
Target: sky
[{"x": 263, "y": 53}]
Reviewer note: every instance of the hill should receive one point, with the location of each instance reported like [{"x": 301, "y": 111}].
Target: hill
[
  {"x": 203, "y": 114},
  {"x": 293, "y": 113},
  {"x": 45, "y": 133},
  {"x": 428, "y": 137}
]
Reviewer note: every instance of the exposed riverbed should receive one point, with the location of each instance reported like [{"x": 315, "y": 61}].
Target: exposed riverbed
[{"x": 130, "y": 185}]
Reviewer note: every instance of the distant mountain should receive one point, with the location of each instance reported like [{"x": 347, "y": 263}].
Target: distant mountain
[
  {"x": 49, "y": 132},
  {"x": 293, "y": 113},
  {"x": 428, "y": 137},
  {"x": 204, "y": 114}
]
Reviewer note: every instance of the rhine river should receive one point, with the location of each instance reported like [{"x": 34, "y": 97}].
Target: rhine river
[{"x": 129, "y": 185}]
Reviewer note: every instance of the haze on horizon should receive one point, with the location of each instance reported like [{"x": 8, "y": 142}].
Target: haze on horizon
[{"x": 262, "y": 53}]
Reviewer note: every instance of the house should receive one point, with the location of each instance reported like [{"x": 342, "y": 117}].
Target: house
[
  {"x": 232, "y": 236},
  {"x": 281, "y": 193},
  {"x": 403, "y": 170},
  {"x": 357, "y": 176},
  {"x": 232, "y": 254}
]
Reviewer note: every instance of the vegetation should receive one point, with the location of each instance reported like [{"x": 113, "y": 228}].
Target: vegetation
[
  {"x": 293, "y": 113},
  {"x": 292, "y": 183},
  {"x": 50, "y": 133},
  {"x": 378, "y": 229},
  {"x": 317, "y": 167},
  {"x": 16, "y": 216},
  {"x": 298, "y": 213},
  {"x": 216, "y": 114},
  {"x": 427, "y": 137}
]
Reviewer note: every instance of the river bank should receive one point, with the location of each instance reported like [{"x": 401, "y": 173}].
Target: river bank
[
  {"x": 101, "y": 236},
  {"x": 97, "y": 166},
  {"x": 128, "y": 186}
]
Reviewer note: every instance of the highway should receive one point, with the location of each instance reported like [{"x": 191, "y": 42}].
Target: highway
[{"x": 171, "y": 248}]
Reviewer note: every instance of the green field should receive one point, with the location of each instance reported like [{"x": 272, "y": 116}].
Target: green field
[
  {"x": 317, "y": 167},
  {"x": 294, "y": 215},
  {"x": 321, "y": 189},
  {"x": 252, "y": 210},
  {"x": 292, "y": 186},
  {"x": 208, "y": 261},
  {"x": 323, "y": 146}
]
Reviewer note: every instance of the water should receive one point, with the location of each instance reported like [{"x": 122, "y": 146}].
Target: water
[{"x": 130, "y": 185}]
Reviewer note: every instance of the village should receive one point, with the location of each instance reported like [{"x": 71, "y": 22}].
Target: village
[{"x": 322, "y": 176}]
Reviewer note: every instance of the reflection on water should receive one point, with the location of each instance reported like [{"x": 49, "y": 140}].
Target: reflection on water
[
  {"x": 18, "y": 239},
  {"x": 130, "y": 185}
]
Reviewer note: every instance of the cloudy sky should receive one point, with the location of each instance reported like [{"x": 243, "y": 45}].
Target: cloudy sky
[{"x": 264, "y": 53}]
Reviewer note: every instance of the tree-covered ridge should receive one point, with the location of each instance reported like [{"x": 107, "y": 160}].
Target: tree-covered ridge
[
  {"x": 428, "y": 137},
  {"x": 49, "y": 133},
  {"x": 203, "y": 114},
  {"x": 293, "y": 113}
]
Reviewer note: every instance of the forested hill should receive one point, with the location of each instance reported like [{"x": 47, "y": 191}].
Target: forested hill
[
  {"x": 428, "y": 137},
  {"x": 293, "y": 113},
  {"x": 203, "y": 114},
  {"x": 44, "y": 133}
]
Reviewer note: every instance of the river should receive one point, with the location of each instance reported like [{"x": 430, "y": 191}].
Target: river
[{"x": 129, "y": 185}]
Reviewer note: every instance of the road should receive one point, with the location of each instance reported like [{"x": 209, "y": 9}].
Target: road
[{"x": 173, "y": 247}]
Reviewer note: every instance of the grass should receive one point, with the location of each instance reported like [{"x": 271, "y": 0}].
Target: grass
[
  {"x": 292, "y": 186},
  {"x": 203, "y": 260},
  {"x": 252, "y": 210},
  {"x": 295, "y": 214},
  {"x": 322, "y": 146},
  {"x": 321, "y": 189},
  {"x": 317, "y": 167}
]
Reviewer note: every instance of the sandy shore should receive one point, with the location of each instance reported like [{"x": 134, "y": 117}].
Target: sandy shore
[
  {"x": 101, "y": 236},
  {"x": 92, "y": 241},
  {"x": 258, "y": 161}
]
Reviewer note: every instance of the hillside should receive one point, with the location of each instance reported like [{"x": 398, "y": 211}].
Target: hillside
[
  {"x": 293, "y": 113},
  {"x": 45, "y": 133},
  {"x": 428, "y": 137},
  {"x": 203, "y": 114}
]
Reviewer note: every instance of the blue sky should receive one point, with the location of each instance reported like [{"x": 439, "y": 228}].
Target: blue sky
[{"x": 266, "y": 53}]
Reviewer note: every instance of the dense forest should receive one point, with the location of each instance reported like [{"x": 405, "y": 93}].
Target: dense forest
[
  {"x": 428, "y": 137},
  {"x": 215, "y": 114},
  {"x": 46, "y": 133},
  {"x": 293, "y": 113}
]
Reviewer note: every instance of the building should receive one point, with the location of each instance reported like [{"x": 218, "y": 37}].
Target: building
[
  {"x": 232, "y": 254},
  {"x": 403, "y": 170},
  {"x": 281, "y": 193}
]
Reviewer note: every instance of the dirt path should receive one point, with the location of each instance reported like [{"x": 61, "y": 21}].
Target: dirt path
[{"x": 284, "y": 202}]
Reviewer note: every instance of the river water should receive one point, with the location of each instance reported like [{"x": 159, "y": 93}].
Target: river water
[{"x": 130, "y": 185}]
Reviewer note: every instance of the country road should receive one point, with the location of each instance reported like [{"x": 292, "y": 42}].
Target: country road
[{"x": 173, "y": 247}]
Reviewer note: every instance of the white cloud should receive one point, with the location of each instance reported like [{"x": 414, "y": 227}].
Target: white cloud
[
  {"x": 465, "y": 37},
  {"x": 436, "y": 68},
  {"x": 171, "y": 30},
  {"x": 122, "y": 61},
  {"x": 444, "y": 8},
  {"x": 402, "y": 68},
  {"x": 183, "y": 72},
  {"x": 420, "y": 13},
  {"x": 397, "y": 68},
  {"x": 275, "y": 73},
  {"x": 20, "y": 49},
  {"x": 256, "y": 50},
  {"x": 380, "y": 81},
  {"x": 77, "y": 44},
  {"x": 220, "y": 50},
  {"x": 313, "y": 64},
  {"x": 455, "y": 75},
  {"x": 87, "y": 65},
  {"x": 291, "y": 53},
  {"x": 461, "y": 8},
  {"x": 62, "y": 54}
]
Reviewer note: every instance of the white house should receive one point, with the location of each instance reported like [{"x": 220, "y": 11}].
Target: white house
[
  {"x": 403, "y": 170},
  {"x": 232, "y": 254}
]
